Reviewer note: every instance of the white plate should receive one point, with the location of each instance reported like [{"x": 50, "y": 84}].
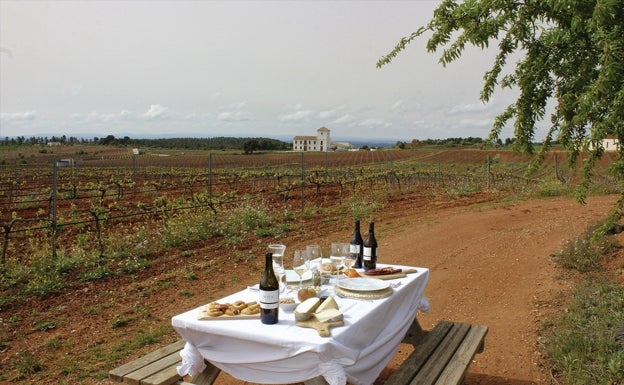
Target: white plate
[
  {"x": 363, "y": 284},
  {"x": 292, "y": 277}
]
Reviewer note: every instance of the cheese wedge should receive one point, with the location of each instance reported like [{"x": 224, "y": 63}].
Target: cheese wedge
[
  {"x": 329, "y": 303},
  {"x": 329, "y": 315},
  {"x": 305, "y": 309}
]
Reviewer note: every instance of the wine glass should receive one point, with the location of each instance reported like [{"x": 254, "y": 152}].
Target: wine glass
[
  {"x": 300, "y": 264},
  {"x": 314, "y": 253},
  {"x": 350, "y": 258},
  {"x": 339, "y": 252}
]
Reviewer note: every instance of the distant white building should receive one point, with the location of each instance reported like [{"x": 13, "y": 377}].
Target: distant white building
[
  {"x": 610, "y": 143},
  {"x": 320, "y": 142}
]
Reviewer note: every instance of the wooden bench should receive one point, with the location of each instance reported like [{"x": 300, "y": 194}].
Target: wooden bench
[
  {"x": 159, "y": 368},
  {"x": 441, "y": 356}
]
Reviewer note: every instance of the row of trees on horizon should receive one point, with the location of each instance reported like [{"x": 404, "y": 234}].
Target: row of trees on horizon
[{"x": 248, "y": 145}]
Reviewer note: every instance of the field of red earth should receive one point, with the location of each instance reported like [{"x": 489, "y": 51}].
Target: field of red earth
[{"x": 490, "y": 261}]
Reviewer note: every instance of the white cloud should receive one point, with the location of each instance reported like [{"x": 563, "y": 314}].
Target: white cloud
[
  {"x": 327, "y": 114},
  {"x": 397, "y": 106},
  {"x": 480, "y": 123},
  {"x": 296, "y": 116},
  {"x": 468, "y": 108},
  {"x": 156, "y": 111},
  {"x": 374, "y": 123},
  {"x": 99, "y": 117},
  {"x": 234, "y": 116},
  {"x": 236, "y": 105},
  {"x": 345, "y": 119},
  {"x": 18, "y": 116}
]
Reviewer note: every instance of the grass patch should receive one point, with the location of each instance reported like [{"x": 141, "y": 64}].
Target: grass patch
[
  {"x": 587, "y": 345},
  {"x": 27, "y": 364}
]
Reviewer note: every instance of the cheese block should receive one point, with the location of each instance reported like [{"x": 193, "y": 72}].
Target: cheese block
[
  {"x": 305, "y": 309},
  {"x": 328, "y": 315},
  {"x": 329, "y": 303}
]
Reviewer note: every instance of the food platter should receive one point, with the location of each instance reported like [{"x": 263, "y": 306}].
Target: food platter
[{"x": 363, "y": 284}]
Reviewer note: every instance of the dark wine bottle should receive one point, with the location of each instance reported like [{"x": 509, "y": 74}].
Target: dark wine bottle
[
  {"x": 369, "y": 255},
  {"x": 356, "y": 246},
  {"x": 269, "y": 293}
]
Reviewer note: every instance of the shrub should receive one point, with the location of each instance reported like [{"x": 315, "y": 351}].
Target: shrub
[{"x": 585, "y": 252}]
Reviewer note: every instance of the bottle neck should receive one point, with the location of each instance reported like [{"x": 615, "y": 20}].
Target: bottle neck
[{"x": 269, "y": 261}]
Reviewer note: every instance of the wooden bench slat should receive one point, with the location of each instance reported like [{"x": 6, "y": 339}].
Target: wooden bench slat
[
  {"x": 208, "y": 376},
  {"x": 456, "y": 370},
  {"x": 118, "y": 373},
  {"x": 424, "y": 349},
  {"x": 166, "y": 376},
  {"x": 429, "y": 372},
  {"x": 134, "y": 378}
]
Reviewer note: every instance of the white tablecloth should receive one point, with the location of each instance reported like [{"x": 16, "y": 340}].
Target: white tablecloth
[{"x": 286, "y": 353}]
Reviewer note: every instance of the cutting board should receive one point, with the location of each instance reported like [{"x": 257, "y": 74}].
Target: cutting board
[
  {"x": 322, "y": 328},
  {"x": 402, "y": 274}
]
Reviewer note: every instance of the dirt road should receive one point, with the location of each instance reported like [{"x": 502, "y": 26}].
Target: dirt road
[{"x": 490, "y": 265}]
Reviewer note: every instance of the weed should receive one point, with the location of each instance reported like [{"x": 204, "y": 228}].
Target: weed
[
  {"x": 585, "y": 252},
  {"x": 53, "y": 343},
  {"x": 147, "y": 339},
  {"x": 363, "y": 207},
  {"x": 584, "y": 345},
  {"x": 132, "y": 265},
  {"x": 551, "y": 189},
  {"x": 42, "y": 325},
  {"x": 27, "y": 365},
  {"x": 120, "y": 321},
  {"x": 92, "y": 310},
  {"x": 98, "y": 272}
]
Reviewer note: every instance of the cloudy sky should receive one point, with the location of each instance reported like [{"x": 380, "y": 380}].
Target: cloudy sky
[{"x": 233, "y": 68}]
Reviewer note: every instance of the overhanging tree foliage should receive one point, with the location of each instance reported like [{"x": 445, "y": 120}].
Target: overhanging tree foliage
[{"x": 572, "y": 53}]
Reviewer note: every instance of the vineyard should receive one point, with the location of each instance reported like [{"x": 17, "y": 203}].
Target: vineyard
[
  {"x": 100, "y": 246},
  {"x": 114, "y": 209}
]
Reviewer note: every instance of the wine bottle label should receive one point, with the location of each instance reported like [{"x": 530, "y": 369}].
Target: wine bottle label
[
  {"x": 269, "y": 299},
  {"x": 368, "y": 253},
  {"x": 354, "y": 249}
]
